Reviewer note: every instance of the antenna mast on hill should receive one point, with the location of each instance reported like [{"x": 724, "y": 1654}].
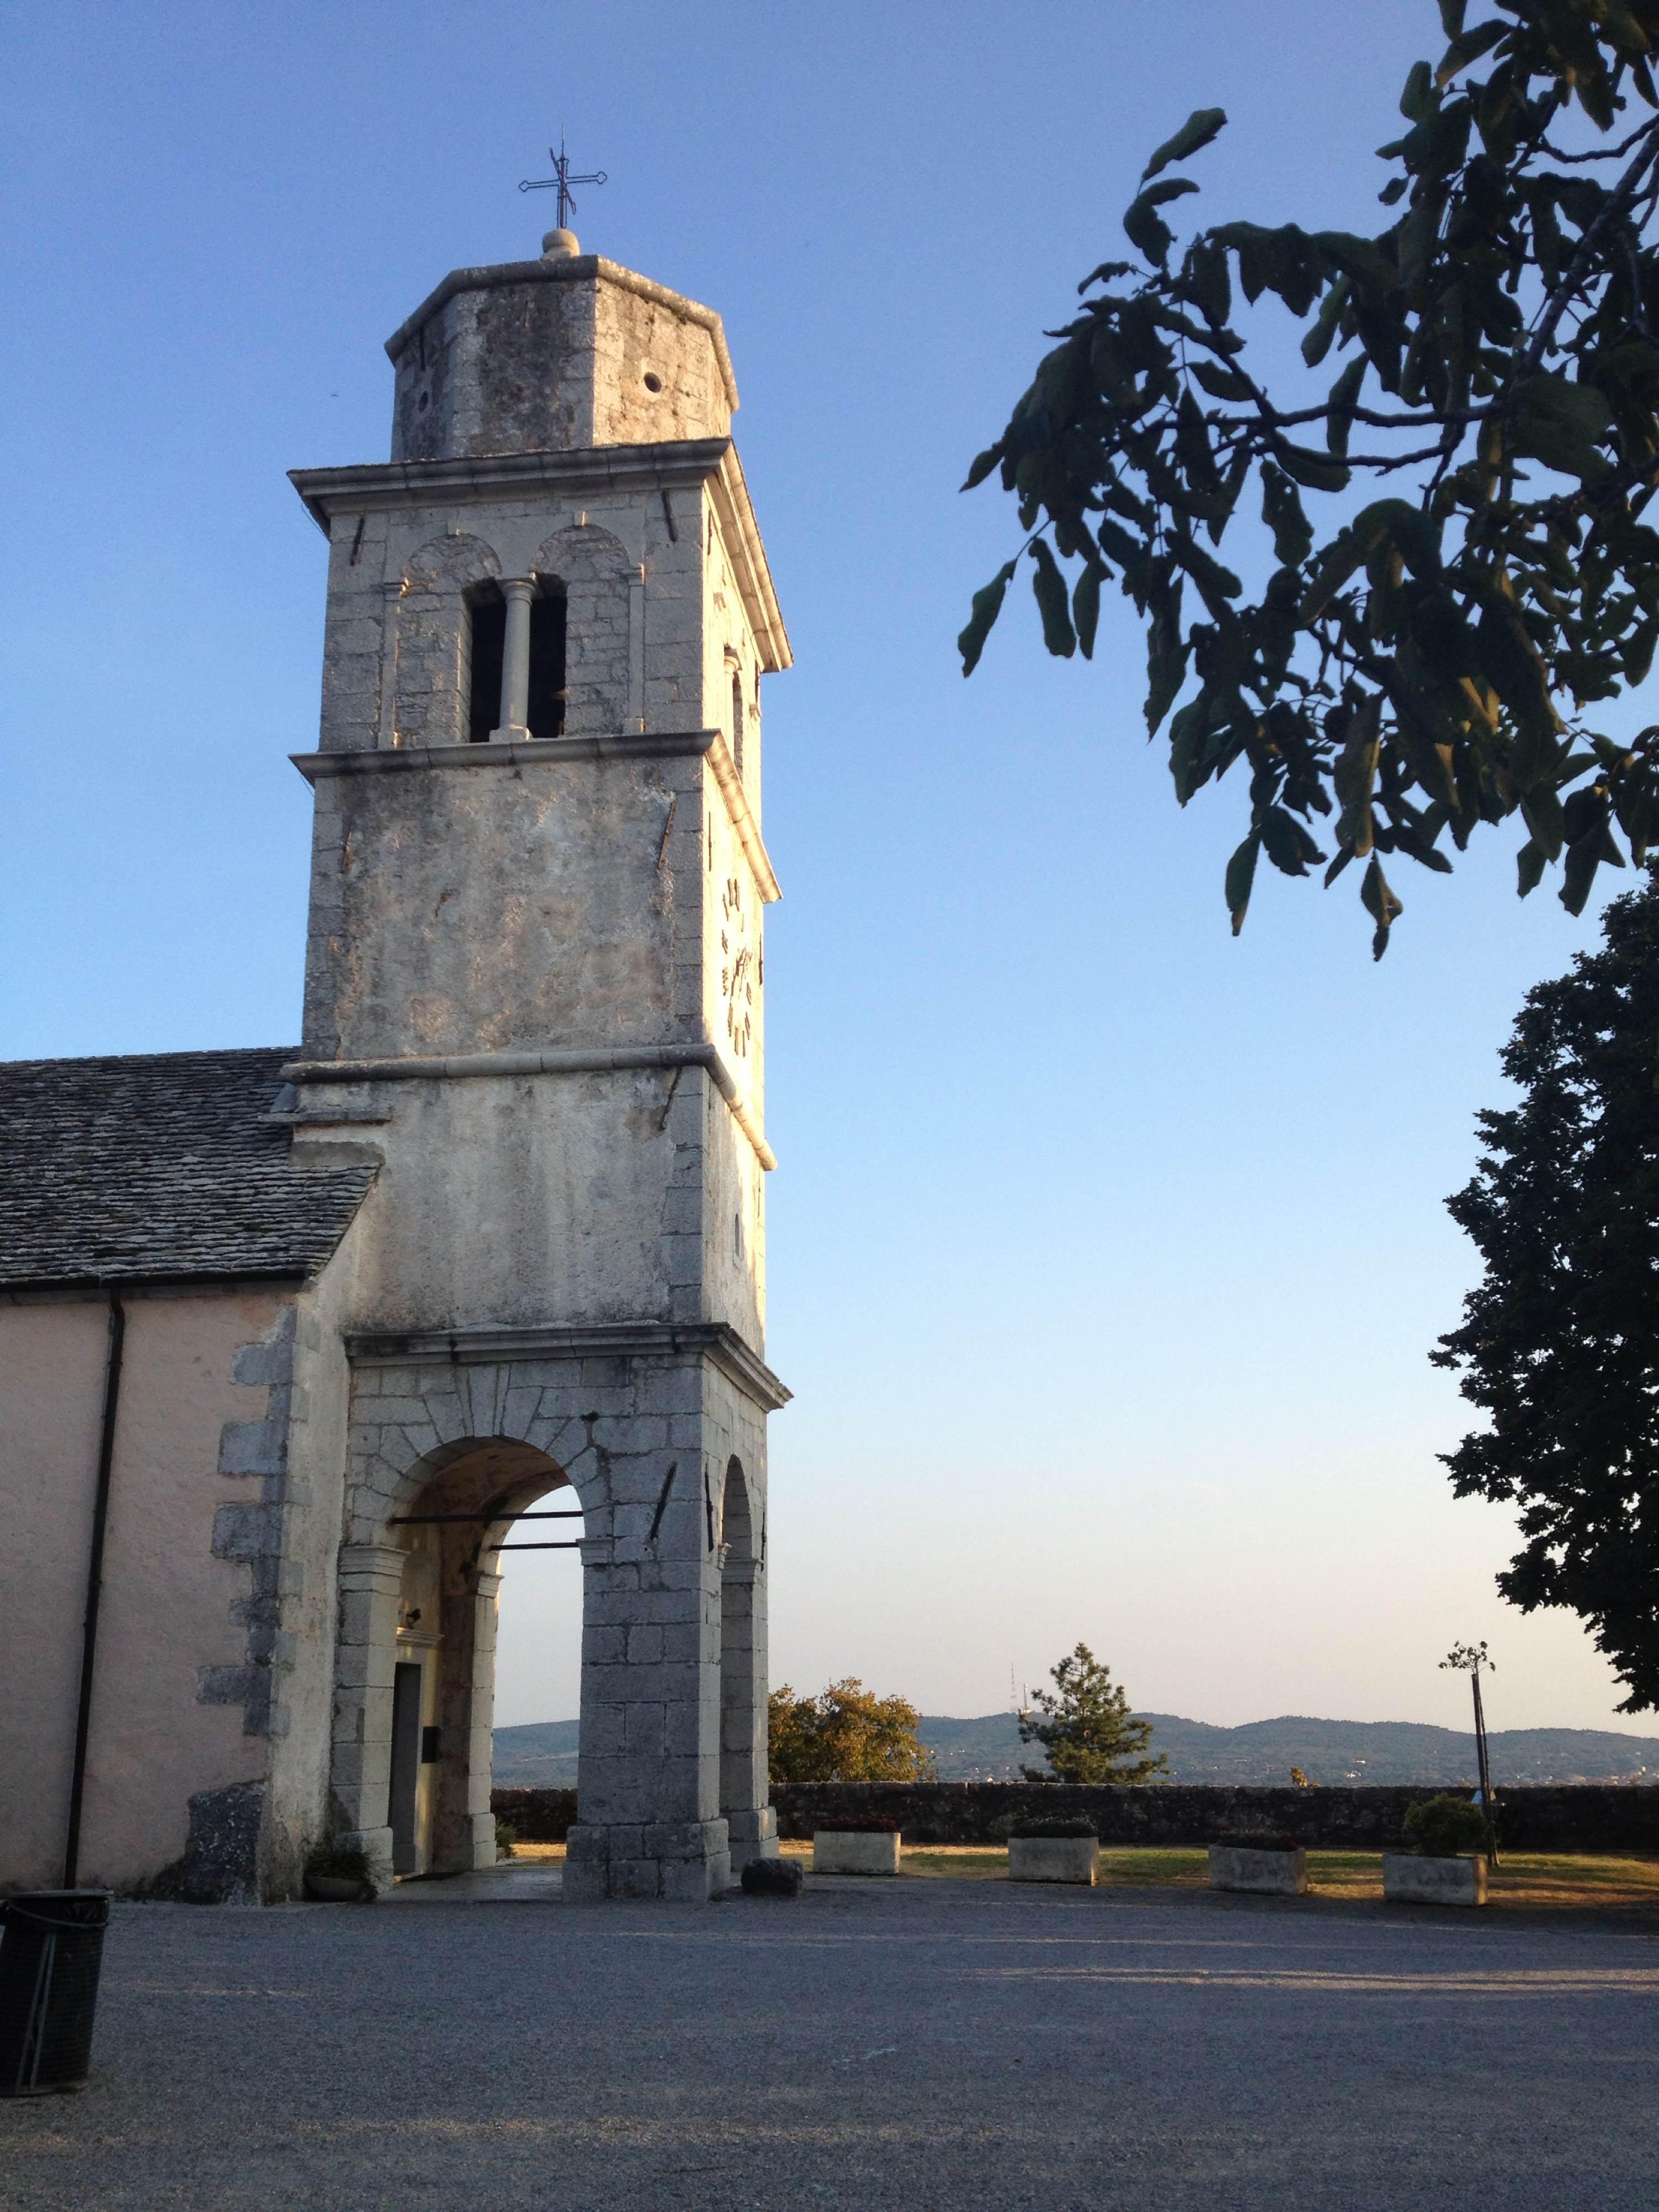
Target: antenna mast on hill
[{"x": 561, "y": 180}]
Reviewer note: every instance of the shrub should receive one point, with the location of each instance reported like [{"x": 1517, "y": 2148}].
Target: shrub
[
  {"x": 846, "y": 1734},
  {"x": 869, "y": 1824},
  {"x": 1042, "y": 1831},
  {"x": 1446, "y": 1827},
  {"x": 506, "y": 1836},
  {"x": 342, "y": 1861},
  {"x": 1256, "y": 1840}
]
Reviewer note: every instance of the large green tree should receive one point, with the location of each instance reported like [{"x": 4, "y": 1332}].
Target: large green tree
[
  {"x": 846, "y": 1734},
  {"x": 1559, "y": 1346},
  {"x": 1085, "y": 1726},
  {"x": 1452, "y": 563}
]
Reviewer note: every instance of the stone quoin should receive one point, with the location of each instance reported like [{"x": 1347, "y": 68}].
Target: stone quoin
[{"x": 291, "y": 1336}]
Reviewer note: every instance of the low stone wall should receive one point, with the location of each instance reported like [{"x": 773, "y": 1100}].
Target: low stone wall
[
  {"x": 536, "y": 1816},
  {"x": 1583, "y": 1817},
  {"x": 1579, "y": 1817}
]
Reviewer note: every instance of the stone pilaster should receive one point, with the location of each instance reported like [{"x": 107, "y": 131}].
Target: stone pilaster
[
  {"x": 371, "y": 1577},
  {"x": 650, "y": 1823},
  {"x": 750, "y": 1819}
]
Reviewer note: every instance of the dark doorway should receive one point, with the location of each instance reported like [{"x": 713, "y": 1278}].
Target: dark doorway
[
  {"x": 489, "y": 611},
  {"x": 545, "y": 712},
  {"x": 405, "y": 1765}
]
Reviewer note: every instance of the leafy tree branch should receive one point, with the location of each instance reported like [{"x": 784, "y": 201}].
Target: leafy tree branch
[{"x": 1421, "y": 667}]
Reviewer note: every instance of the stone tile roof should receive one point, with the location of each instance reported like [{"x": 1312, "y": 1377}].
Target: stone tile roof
[{"x": 159, "y": 1166}]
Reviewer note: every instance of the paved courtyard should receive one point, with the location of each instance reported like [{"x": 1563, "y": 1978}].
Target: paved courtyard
[{"x": 912, "y": 2044}]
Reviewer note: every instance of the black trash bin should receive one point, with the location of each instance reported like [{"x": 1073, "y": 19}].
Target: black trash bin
[{"x": 52, "y": 1948}]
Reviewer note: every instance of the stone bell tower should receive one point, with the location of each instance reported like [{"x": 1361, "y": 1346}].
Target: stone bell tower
[{"x": 533, "y": 996}]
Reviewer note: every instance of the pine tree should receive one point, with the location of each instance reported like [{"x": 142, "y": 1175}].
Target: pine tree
[{"x": 1088, "y": 1731}]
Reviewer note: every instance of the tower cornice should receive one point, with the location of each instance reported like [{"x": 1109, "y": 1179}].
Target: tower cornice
[
  {"x": 681, "y": 463},
  {"x": 550, "y": 752}
]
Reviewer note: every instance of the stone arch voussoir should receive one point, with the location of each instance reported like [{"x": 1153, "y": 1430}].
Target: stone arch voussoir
[
  {"x": 414, "y": 1429},
  {"x": 451, "y": 563}
]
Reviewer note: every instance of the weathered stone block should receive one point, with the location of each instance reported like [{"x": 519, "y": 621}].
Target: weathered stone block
[
  {"x": 1053, "y": 1858},
  {"x": 1262, "y": 1874},
  {"x": 1409, "y": 1879},
  {"x": 253, "y": 1448},
  {"x": 838, "y": 1851}
]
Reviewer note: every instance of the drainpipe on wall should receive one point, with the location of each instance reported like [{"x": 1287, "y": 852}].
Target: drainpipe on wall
[{"x": 118, "y": 1329}]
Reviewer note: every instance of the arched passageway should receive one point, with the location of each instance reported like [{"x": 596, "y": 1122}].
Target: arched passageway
[
  {"x": 429, "y": 1633},
  {"x": 742, "y": 1670},
  {"x": 647, "y": 1434}
]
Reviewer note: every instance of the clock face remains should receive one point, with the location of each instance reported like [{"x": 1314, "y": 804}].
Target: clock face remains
[{"x": 739, "y": 968}]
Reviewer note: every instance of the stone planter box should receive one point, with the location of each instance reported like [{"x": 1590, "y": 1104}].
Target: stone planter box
[
  {"x": 1053, "y": 1858},
  {"x": 1409, "y": 1879},
  {"x": 864, "y": 1851},
  {"x": 1261, "y": 1874}
]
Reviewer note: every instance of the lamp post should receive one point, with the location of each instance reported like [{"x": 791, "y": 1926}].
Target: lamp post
[{"x": 1468, "y": 1659}]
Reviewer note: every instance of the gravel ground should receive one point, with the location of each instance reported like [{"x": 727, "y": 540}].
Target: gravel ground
[{"x": 913, "y": 2044}]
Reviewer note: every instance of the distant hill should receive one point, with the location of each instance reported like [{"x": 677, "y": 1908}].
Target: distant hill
[
  {"x": 544, "y": 1754},
  {"x": 541, "y": 1756},
  {"x": 990, "y": 1750}
]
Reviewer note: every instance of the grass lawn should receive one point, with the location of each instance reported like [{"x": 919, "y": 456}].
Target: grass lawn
[{"x": 1529, "y": 1880}]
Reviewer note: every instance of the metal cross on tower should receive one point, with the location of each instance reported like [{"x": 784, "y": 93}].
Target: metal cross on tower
[{"x": 561, "y": 181}]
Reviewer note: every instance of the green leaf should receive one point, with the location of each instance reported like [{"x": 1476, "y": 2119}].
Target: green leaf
[
  {"x": 988, "y": 606},
  {"x": 1443, "y": 635},
  {"x": 1451, "y": 17},
  {"x": 1049, "y": 587},
  {"x": 1166, "y": 654},
  {"x": 1515, "y": 672},
  {"x": 1584, "y": 856},
  {"x": 1316, "y": 471},
  {"x": 1354, "y": 774},
  {"x": 1241, "y": 875},
  {"x": 1206, "y": 279},
  {"x": 1344, "y": 394},
  {"x": 1540, "y": 809},
  {"x": 1317, "y": 343},
  {"x": 1200, "y": 127},
  {"x": 1358, "y": 259},
  {"x": 1217, "y": 585},
  {"x": 1145, "y": 227},
  {"x": 1192, "y": 446},
  {"x": 1105, "y": 273},
  {"x": 1380, "y": 902},
  {"x": 1282, "y": 512},
  {"x": 1559, "y": 423},
  {"x": 1086, "y": 607},
  {"x": 1341, "y": 557},
  {"x": 983, "y": 464},
  {"x": 1415, "y": 534},
  {"x": 1289, "y": 846},
  {"x": 1417, "y": 100},
  {"x": 1221, "y": 383},
  {"x": 1467, "y": 47},
  {"x": 1530, "y": 865}
]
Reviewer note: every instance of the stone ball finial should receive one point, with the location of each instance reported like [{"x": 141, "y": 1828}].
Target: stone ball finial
[{"x": 559, "y": 243}]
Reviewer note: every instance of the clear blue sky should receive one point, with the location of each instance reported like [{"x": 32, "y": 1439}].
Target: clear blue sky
[{"x": 1105, "y": 1251}]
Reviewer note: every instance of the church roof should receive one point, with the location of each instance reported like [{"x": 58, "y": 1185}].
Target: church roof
[{"x": 159, "y": 1167}]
